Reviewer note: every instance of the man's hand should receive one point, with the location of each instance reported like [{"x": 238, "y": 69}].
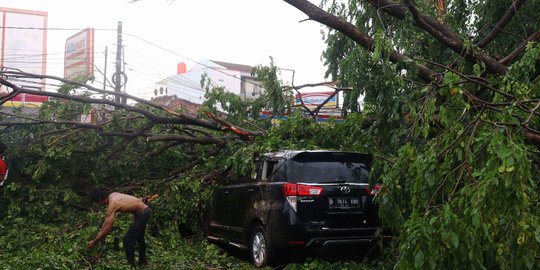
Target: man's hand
[{"x": 91, "y": 244}]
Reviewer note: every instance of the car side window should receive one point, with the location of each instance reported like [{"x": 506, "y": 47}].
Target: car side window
[
  {"x": 280, "y": 172},
  {"x": 259, "y": 172},
  {"x": 248, "y": 178},
  {"x": 268, "y": 169}
]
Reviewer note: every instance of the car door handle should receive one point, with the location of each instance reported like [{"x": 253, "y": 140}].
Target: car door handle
[
  {"x": 225, "y": 192},
  {"x": 250, "y": 190}
]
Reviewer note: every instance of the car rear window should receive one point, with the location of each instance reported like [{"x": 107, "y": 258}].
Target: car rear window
[{"x": 329, "y": 172}]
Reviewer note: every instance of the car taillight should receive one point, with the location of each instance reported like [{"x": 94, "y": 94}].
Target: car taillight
[
  {"x": 373, "y": 191},
  {"x": 292, "y": 191},
  {"x": 289, "y": 189}
]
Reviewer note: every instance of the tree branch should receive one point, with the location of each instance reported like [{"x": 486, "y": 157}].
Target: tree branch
[
  {"x": 182, "y": 118},
  {"x": 198, "y": 159},
  {"x": 162, "y": 149},
  {"x": 317, "y": 14},
  {"x": 179, "y": 138},
  {"x": 519, "y": 49},
  {"x": 179, "y": 119},
  {"x": 442, "y": 33},
  {"x": 313, "y": 85},
  {"x": 501, "y": 24},
  {"x": 132, "y": 137},
  {"x": 243, "y": 133},
  {"x": 533, "y": 137},
  {"x": 318, "y": 108}
]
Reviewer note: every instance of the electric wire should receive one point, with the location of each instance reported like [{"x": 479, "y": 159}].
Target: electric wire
[
  {"x": 184, "y": 82},
  {"x": 200, "y": 92},
  {"x": 187, "y": 80},
  {"x": 55, "y": 28},
  {"x": 166, "y": 74},
  {"x": 132, "y": 35},
  {"x": 175, "y": 53}
]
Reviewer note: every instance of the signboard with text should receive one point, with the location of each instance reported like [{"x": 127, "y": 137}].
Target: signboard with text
[
  {"x": 79, "y": 55},
  {"x": 314, "y": 99},
  {"x": 23, "y": 47}
]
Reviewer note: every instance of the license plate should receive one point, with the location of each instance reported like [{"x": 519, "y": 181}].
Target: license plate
[{"x": 344, "y": 202}]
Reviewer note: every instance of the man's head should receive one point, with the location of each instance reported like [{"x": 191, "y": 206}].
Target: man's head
[{"x": 98, "y": 195}]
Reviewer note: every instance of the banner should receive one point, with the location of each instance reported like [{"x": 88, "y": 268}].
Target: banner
[{"x": 312, "y": 100}]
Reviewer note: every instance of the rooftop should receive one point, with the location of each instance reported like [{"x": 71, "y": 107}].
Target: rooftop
[{"x": 232, "y": 66}]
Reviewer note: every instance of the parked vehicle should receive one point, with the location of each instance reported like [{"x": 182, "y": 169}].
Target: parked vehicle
[{"x": 302, "y": 199}]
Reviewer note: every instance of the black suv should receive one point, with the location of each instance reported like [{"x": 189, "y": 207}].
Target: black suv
[{"x": 296, "y": 199}]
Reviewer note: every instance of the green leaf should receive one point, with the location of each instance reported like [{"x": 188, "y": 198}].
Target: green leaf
[
  {"x": 476, "y": 219},
  {"x": 419, "y": 259},
  {"x": 454, "y": 239}
]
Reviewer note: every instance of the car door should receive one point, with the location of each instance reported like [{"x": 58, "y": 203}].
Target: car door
[
  {"x": 219, "y": 211},
  {"x": 246, "y": 199}
]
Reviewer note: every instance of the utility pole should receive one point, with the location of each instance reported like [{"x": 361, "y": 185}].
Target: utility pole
[
  {"x": 117, "y": 76},
  {"x": 105, "y": 74},
  {"x": 124, "y": 99}
]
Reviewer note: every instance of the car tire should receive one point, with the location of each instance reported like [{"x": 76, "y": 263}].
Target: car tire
[{"x": 260, "y": 251}]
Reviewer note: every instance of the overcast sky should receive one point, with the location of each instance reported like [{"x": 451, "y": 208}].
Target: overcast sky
[{"x": 158, "y": 34}]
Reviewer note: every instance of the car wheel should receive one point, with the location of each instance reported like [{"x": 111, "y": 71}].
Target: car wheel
[{"x": 259, "y": 247}]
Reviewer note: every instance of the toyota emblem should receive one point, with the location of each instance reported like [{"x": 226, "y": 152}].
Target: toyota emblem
[{"x": 345, "y": 189}]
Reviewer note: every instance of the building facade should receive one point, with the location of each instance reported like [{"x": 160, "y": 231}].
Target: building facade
[{"x": 234, "y": 78}]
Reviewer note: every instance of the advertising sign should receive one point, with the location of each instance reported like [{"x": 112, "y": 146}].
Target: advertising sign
[
  {"x": 317, "y": 98},
  {"x": 79, "y": 55},
  {"x": 25, "y": 100},
  {"x": 23, "y": 47}
]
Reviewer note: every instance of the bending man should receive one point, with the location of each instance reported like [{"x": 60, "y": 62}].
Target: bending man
[
  {"x": 118, "y": 202},
  {"x": 3, "y": 166}
]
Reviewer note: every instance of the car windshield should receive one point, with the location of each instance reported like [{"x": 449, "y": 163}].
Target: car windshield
[{"x": 329, "y": 172}]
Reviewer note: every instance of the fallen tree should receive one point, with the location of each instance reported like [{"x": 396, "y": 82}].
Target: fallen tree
[{"x": 450, "y": 110}]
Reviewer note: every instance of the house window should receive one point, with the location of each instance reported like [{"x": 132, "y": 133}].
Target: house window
[{"x": 255, "y": 90}]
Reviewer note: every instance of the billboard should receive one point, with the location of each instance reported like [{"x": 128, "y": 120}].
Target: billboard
[
  {"x": 23, "y": 46},
  {"x": 79, "y": 55},
  {"x": 312, "y": 100}
]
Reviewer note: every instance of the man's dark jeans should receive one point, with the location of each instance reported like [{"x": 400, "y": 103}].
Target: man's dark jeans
[{"x": 135, "y": 234}]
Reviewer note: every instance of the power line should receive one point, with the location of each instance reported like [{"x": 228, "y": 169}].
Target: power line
[
  {"x": 164, "y": 76},
  {"x": 176, "y": 80},
  {"x": 145, "y": 62},
  {"x": 132, "y": 35},
  {"x": 187, "y": 83},
  {"x": 173, "y": 52},
  {"x": 180, "y": 84},
  {"x": 54, "y": 28},
  {"x": 35, "y": 82}
]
